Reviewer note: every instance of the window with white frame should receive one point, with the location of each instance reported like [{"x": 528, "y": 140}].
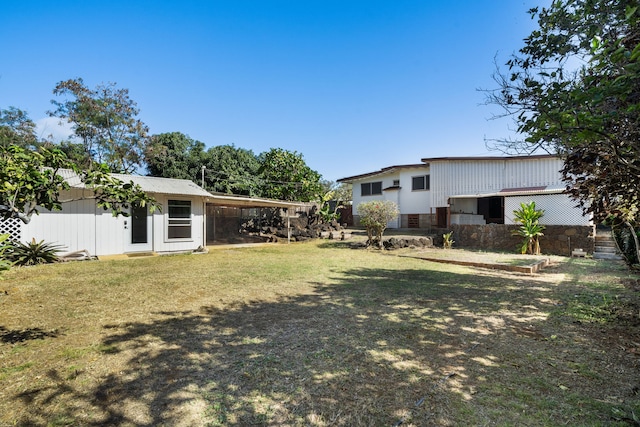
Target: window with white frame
[
  {"x": 419, "y": 183},
  {"x": 179, "y": 219},
  {"x": 371, "y": 188}
]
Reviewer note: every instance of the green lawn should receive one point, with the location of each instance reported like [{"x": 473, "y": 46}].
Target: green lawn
[{"x": 317, "y": 334}]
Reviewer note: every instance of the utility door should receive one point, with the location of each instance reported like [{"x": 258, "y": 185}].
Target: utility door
[{"x": 137, "y": 229}]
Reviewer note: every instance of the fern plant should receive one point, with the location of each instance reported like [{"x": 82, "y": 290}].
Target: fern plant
[{"x": 33, "y": 253}]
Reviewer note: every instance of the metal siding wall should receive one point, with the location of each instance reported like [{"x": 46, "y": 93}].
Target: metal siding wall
[
  {"x": 439, "y": 184},
  {"x": 455, "y": 177},
  {"x": 532, "y": 173}
]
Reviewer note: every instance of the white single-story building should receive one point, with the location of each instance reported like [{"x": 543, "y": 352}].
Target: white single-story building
[
  {"x": 444, "y": 191},
  {"x": 180, "y": 225}
]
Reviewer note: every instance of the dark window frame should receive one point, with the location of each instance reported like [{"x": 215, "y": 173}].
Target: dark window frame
[
  {"x": 423, "y": 181},
  {"x": 371, "y": 188}
]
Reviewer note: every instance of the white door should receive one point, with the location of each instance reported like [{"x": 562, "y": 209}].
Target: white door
[{"x": 137, "y": 229}]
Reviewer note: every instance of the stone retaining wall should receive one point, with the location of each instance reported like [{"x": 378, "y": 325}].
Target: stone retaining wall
[{"x": 557, "y": 239}]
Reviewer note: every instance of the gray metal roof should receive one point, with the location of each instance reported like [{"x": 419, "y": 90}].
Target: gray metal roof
[
  {"x": 149, "y": 184},
  {"x": 182, "y": 187},
  {"x": 152, "y": 184}
]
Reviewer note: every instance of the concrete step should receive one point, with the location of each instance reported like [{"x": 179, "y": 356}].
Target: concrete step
[
  {"x": 606, "y": 255},
  {"x": 605, "y": 247},
  {"x": 605, "y": 250}
]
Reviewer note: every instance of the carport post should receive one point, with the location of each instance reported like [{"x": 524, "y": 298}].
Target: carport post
[{"x": 288, "y": 226}]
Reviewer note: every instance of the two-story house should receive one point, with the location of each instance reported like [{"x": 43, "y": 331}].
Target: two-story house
[{"x": 444, "y": 191}]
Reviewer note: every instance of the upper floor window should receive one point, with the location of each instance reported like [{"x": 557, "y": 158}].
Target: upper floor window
[
  {"x": 371, "y": 188},
  {"x": 420, "y": 183},
  {"x": 396, "y": 183}
]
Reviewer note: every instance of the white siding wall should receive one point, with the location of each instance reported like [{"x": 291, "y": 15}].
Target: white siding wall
[
  {"x": 81, "y": 225},
  {"x": 161, "y": 243},
  {"x": 392, "y": 195},
  {"x": 456, "y": 177},
  {"x": 413, "y": 202},
  {"x": 110, "y": 233},
  {"x": 73, "y": 227},
  {"x": 408, "y": 201}
]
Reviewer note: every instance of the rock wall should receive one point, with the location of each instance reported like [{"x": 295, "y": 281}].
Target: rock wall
[
  {"x": 557, "y": 239},
  {"x": 304, "y": 227}
]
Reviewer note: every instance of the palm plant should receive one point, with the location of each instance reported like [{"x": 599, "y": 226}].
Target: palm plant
[
  {"x": 33, "y": 253},
  {"x": 530, "y": 229}
]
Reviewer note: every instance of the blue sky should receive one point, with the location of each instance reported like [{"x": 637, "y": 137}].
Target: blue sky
[{"x": 354, "y": 86}]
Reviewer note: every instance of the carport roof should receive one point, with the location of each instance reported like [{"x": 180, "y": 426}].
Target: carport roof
[{"x": 248, "y": 202}]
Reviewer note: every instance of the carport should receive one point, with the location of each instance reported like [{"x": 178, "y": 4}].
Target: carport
[{"x": 226, "y": 214}]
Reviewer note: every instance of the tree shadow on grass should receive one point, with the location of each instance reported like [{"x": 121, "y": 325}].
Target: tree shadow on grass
[
  {"x": 376, "y": 348},
  {"x": 14, "y": 336}
]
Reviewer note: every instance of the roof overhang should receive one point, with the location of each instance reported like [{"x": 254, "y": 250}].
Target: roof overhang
[
  {"x": 248, "y": 202},
  {"x": 508, "y": 192},
  {"x": 383, "y": 171},
  {"x": 480, "y": 158}
]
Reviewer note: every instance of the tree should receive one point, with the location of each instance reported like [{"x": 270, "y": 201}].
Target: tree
[
  {"x": 286, "y": 176},
  {"x": 175, "y": 155},
  {"x": 530, "y": 229},
  {"x": 232, "y": 170},
  {"x": 104, "y": 119},
  {"x": 30, "y": 180},
  {"x": 375, "y": 216},
  {"x": 334, "y": 197},
  {"x": 76, "y": 153},
  {"x": 574, "y": 90},
  {"x": 16, "y": 128}
]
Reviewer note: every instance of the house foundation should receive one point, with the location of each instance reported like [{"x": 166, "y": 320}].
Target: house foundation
[{"x": 557, "y": 239}]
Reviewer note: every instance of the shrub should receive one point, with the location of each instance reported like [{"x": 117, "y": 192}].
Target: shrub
[
  {"x": 33, "y": 253},
  {"x": 5, "y": 246},
  {"x": 448, "y": 240},
  {"x": 374, "y": 216}
]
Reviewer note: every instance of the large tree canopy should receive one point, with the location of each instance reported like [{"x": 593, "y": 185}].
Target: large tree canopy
[
  {"x": 175, "y": 155},
  {"x": 574, "y": 89},
  {"x": 286, "y": 176},
  {"x": 232, "y": 170},
  {"x": 104, "y": 119},
  {"x": 228, "y": 169}
]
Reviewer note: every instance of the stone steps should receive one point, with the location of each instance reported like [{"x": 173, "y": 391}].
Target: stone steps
[{"x": 605, "y": 247}]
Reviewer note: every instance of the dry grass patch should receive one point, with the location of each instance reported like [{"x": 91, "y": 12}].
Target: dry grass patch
[{"x": 316, "y": 334}]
